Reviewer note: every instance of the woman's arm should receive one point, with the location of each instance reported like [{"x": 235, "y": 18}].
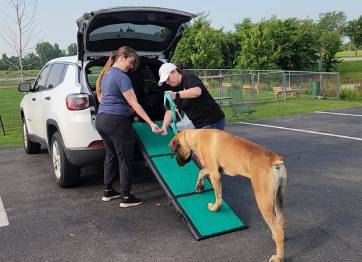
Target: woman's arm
[
  {"x": 131, "y": 98},
  {"x": 192, "y": 92},
  {"x": 166, "y": 122}
]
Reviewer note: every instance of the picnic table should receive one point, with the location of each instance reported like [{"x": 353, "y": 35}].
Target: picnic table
[
  {"x": 221, "y": 99},
  {"x": 278, "y": 90},
  {"x": 250, "y": 88}
]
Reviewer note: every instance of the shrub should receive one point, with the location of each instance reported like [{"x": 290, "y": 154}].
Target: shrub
[{"x": 349, "y": 93}]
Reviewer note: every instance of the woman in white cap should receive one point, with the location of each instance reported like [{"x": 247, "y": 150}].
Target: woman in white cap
[{"x": 191, "y": 96}]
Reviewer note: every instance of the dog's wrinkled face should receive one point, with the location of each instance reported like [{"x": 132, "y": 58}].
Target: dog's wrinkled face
[{"x": 180, "y": 148}]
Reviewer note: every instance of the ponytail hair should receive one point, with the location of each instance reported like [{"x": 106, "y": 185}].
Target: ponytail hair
[
  {"x": 124, "y": 51},
  {"x": 105, "y": 68}
]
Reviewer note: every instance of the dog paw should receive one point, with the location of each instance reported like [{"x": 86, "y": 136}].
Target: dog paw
[
  {"x": 213, "y": 207},
  {"x": 199, "y": 188},
  {"x": 276, "y": 258}
]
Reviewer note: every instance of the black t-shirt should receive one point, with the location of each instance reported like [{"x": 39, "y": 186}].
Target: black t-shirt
[{"x": 202, "y": 110}]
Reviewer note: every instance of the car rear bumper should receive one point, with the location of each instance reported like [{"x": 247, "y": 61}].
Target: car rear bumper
[{"x": 85, "y": 156}]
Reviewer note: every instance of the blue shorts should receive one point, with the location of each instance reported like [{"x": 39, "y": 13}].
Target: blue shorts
[{"x": 218, "y": 125}]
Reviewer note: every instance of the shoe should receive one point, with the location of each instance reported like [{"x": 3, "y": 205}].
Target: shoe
[
  {"x": 110, "y": 194},
  {"x": 129, "y": 201}
]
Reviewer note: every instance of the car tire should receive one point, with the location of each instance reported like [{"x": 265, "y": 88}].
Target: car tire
[
  {"x": 66, "y": 174},
  {"x": 30, "y": 147}
]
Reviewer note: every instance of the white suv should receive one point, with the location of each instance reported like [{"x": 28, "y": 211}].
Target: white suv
[{"x": 58, "y": 111}]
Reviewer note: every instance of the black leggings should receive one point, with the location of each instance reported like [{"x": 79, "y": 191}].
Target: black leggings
[{"x": 119, "y": 143}]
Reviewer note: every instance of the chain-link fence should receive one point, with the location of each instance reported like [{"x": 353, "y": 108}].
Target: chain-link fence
[{"x": 230, "y": 87}]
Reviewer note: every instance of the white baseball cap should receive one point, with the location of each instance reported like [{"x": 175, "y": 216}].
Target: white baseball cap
[{"x": 164, "y": 72}]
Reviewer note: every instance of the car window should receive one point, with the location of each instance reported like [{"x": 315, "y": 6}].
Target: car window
[
  {"x": 148, "y": 32},
  {"x": 92, "y": 75},
  {"x": 56, "y": 75},
  {"x": 41, "y": 80}
]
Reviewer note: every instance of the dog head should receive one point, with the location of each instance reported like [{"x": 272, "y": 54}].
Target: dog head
[{"x": 180, "y": 148}]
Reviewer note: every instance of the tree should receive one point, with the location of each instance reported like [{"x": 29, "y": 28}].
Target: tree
[
  {"x": 72, "y": 49},
  {"x": 18, "y": 30},
  {"x": 32, "y": 61},
  {"x": 256, "y": 46},
  {"x": 57, "y": 52},
  {"x": 201, "y": 45},
  {"x": 288, "y": 44},
  {"x": 229, "y": 49},
  {"x": 46, "y": 51},
  {"x": 208, "y": 45},
  {"x": 332, "y": 21},
  {"x": 354, "y": 32},
  {"x": 186, "y": 46},
  {"x": 295, "y": 44},
  {"x": 329, "y": 44}
]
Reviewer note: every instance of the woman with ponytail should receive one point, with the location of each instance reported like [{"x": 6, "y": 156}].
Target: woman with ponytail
[
  {"x": 116, "y": 96},
  {"x": 105, "y": 68}
]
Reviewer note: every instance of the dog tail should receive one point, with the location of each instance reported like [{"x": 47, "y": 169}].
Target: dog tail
[{"x": 280, "y": 176}]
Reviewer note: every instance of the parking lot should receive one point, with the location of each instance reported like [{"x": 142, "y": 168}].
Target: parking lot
[{"x": 42, "y": 222}]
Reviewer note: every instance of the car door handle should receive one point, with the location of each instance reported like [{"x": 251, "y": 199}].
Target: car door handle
[
  {"x": 47, "y": 98},
  {"x": 34, "y": 99}
]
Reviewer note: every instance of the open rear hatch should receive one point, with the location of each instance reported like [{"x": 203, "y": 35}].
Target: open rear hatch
[{"x": 151, "y": 31}]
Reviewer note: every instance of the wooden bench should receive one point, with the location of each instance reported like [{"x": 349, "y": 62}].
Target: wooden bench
[
  {"x": 248, "y": 88},
  {"x": 226, "y": 85},
  {"x": 278, "y": 90}
]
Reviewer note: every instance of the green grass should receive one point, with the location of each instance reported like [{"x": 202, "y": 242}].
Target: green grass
[
  {"x": 351, "y": 71},
  {"x": 8, "y": 83},
  {"x": 10, "y": 114},
  {"x": 349, "y": 53},
  {"x": 287, "y": 108},
  {"x": 12, "y": 73}
]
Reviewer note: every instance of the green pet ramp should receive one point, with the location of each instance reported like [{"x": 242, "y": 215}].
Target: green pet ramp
[{"x": 179, "y": 185}]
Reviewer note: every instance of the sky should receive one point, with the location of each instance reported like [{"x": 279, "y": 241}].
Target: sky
[{"x": 55, "y": 21}]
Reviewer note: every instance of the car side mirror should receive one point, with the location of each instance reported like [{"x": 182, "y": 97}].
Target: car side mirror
[{"x": 24, "y": 87}]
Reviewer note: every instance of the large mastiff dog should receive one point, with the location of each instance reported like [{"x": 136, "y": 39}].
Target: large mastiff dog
[{"x": 219, "y": 151}]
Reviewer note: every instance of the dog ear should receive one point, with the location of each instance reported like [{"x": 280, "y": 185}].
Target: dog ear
[{"x": 174, "y": 145}]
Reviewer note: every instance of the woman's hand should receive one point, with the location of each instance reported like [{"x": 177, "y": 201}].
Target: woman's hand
[
  {"x": 173, "y": 94},
  {"x": 155, "y": 129},
  {"x": 163, "y": 131}
]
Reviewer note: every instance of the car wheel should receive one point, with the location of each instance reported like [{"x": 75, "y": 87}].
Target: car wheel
[
  {"x": 29, "y": 146},
  {"x": 66, "y": 174}
]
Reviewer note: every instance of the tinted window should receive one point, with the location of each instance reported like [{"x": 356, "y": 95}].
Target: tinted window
[
  {"x": 42, "y": 79},
  {"x": 148, "y": 32},
  {"x": 55, "y": 76}
]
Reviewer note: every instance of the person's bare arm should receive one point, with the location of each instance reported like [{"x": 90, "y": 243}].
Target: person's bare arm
[
  {"x": 166, "y": 122},
  {"x": 131, "y": 98},
  {"x": 192, "y": 92}
]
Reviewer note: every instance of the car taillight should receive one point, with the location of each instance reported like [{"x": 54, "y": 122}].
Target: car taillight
[
  {"x": 96, "y": 144},
  {"x": 77, "y": 101}
]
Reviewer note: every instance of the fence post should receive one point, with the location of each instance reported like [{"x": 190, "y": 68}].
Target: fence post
[
  {"x": 320, "y": 84},
  {"x": 338, "y": 85},
  {"x": 284, "y": 87},
  {"x": 289, "y": 80},
  {"x": 252, "y": 75}
]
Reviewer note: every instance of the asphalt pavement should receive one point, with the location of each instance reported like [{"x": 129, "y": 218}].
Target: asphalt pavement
[{"x": 323, "y": 204}]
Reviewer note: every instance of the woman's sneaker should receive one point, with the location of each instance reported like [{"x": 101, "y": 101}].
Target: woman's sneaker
[
  {"x": 129, "y": 201},
  {"x": 110, "y": 194}
]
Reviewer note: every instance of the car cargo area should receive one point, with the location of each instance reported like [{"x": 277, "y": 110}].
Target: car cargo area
[{"x": 144, "y": 80}]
